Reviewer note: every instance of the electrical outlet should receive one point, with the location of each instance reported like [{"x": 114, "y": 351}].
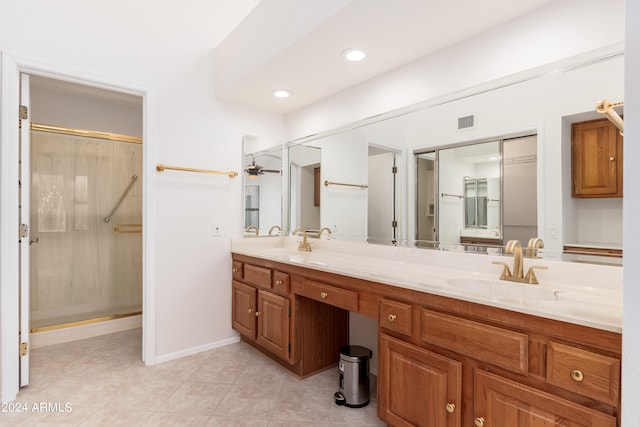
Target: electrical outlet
[{"x": 216, "y": 228}]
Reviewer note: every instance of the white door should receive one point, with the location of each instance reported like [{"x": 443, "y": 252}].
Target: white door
[{"x": 25, "y": 232}]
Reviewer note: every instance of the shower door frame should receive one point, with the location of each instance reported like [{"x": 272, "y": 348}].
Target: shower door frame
[{"x": 12, "y": 65}]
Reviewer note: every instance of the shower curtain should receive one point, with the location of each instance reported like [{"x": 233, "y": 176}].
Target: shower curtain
[{"x": 84, "y": 267}]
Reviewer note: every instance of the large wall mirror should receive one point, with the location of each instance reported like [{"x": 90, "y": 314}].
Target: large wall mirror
[
  {"x": 492, "y": 162},
  {"x": 348, "y": 182},
  {"x": 262, "y": 183}
]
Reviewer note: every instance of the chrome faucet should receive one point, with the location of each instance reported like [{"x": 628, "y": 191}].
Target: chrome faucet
[
  {"x": 304, "y": 244},
  {"x": 515, "y": 247},
  {"x": 534, "y": 244},
  {"x": 273, "y": 228}
]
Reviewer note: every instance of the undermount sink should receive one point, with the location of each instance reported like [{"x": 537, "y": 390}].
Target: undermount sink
[{"x": 500, "y": 290}]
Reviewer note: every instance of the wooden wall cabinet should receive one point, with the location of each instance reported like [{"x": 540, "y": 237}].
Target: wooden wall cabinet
[{"x": 596, "y": 159}]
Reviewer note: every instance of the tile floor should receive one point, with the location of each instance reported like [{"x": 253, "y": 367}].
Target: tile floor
[{"x": 102, "y": 381}]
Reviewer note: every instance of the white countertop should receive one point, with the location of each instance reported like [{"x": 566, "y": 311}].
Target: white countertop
[{"x": 584, "y": 294}]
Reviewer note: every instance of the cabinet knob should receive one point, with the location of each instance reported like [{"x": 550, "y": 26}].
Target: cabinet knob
[
  {"x": 612, "y": 158},
  {"x": 250, "y": 310},
  {"x": 451, "y": 407},
  {"x": 392, "y": 317},
  {"x": 235, "y": 270},
  {"x": 257, "y": 313},
  {"x": 577, "y": 375},
  {"x": 323, "y": 295},
  {"x": 278, "y": 282},
  {"x": 479, "y": 422}
]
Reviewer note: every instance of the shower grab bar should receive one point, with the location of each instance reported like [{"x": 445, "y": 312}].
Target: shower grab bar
[
  {"x": 127, "y": 228},
  {"x": 124, "y": 194}
]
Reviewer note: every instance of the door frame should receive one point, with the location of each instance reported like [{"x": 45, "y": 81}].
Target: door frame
[{"x": 11, "y": 66}]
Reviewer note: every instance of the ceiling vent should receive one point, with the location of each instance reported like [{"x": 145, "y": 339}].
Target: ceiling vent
[{"x": 466, "y": 122}]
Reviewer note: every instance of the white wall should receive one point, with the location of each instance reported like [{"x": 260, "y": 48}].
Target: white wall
[
  {"x": 168, "y": 47},
  {"x": 631, "y": 314}
]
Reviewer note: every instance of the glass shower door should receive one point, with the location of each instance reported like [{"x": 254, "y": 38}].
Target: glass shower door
[{"x": 82, "y": 269}]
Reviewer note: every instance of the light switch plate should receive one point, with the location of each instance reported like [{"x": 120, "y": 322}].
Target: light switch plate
[{"x": 216, "y": 229}]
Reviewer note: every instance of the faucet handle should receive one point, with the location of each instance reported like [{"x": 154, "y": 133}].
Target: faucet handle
[
  {"x": 531, "y": 275},
  {"x": 505, "y": 271}
]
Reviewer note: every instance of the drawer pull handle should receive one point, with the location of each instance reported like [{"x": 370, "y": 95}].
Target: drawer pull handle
[
  {"x": 451, "y": 407},
  {"x": 257, "y": 313},
  {"x": 392, "y": 317},
  {"x": 323, "y": 295},
  {"x": 577, "y": 375},
  {"x": 479, "y": 422}
]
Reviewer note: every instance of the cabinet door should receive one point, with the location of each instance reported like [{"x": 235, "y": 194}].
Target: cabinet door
[
  {"x": 417, "y": 387},
  {"x": 273, "y": 323},
  {"x": 500, "y": 402},
  {"x": 243, "y": 309},
  {"x": 596, "y": 159}
]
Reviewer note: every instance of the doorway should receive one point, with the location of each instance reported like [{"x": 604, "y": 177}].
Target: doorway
[
  {"x": 85, "y": 220},
  {"x": 13, "y": 67},
  {"x": 383, "y": 201}
]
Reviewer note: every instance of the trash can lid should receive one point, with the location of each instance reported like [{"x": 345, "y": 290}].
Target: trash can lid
[{"x": 356, "y": 352}]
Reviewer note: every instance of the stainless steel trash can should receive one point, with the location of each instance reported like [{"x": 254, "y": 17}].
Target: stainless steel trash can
[{"x": 353, "y": 370}]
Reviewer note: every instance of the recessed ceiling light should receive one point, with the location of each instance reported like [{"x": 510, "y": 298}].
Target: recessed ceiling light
[
  {"x": 354, "y": 54},
  {"x": 282, "y": 93}
]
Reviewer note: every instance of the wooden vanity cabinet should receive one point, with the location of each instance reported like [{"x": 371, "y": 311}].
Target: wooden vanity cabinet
[
  {"x": 300, "y": 323},
  {"x": 261, "y": 310},
  {"x": 501, "y": 402},
  {"x": 262, "y": 317},
  {"x": 443, "y": 362},
  {"x": 596, "y": 159},
  {"x": 417, "y": 387},
  {"x": 491, "y": 368}
]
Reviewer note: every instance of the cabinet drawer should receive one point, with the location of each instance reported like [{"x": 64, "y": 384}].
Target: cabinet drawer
[
  {"x": 331, "y": 295},
  {"x": 236, "y": 270},
  {"x": 395, "y": 316},
  {"x": 500, "y": 347},
  {"x": 281, "y": 282},
  {"x": 584, "y": 372},
  {"x": 258, "y": 276}
]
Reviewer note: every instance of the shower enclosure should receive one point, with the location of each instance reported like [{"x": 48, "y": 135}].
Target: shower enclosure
[{"x": 86, "y": 222}]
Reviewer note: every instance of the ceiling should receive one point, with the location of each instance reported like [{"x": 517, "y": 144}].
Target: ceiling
[{"x": 296, "y": 45}]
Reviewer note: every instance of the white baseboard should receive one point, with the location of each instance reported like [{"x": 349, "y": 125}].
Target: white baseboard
[
  {"x": 195, "y": 350},
  {"x": 59, "y": 336}
]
